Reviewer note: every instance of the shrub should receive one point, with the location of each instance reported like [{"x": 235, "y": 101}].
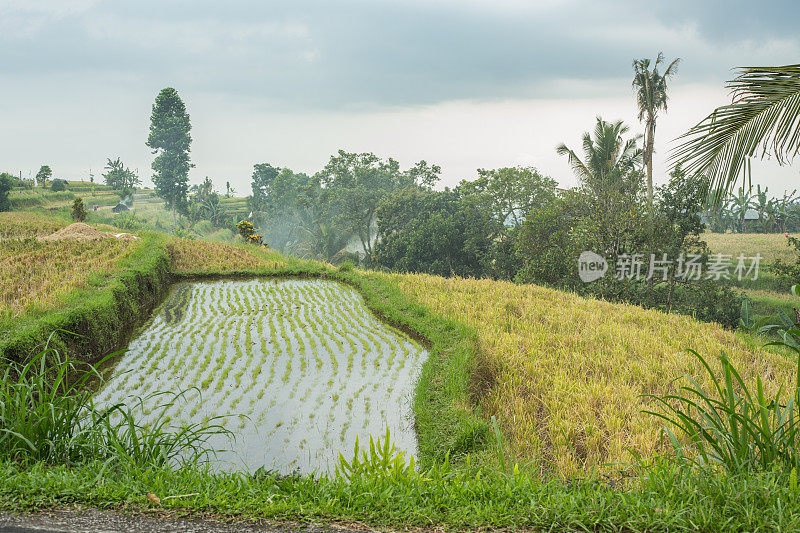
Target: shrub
[
  {"x": 6, "y": 184},
  {"x": 58, "y": 185},
  {"x": 255, "y": 238},
  {"x": 78, "y": 210},
  {"x": 128, "y": 220}
]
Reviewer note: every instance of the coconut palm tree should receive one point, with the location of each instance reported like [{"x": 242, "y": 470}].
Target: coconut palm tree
[
  {"x": 605, "y": 156},
  {"x": 651, "y": 97},
  {"x": 762, "y": 119}
]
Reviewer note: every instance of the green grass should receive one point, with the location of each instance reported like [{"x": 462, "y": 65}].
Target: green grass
[
  {"x": 48, "y": 416},
  {"x": 663, "y": 500},
  {"x": 99, "y": 317}
]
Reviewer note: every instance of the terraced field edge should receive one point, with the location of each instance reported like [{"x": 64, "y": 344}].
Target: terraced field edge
[
  {"x": 103, "y": 318},
  {"x": 445, "y": 408},
  {"x": 452, "y": 379}
]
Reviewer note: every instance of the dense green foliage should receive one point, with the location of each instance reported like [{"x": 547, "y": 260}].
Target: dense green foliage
[
  {"x": 170, "y": 139},
  {"x": 609, "y": 215},
  {"x": 437, "y": 232},
  {"x": 749, "y": 212},
  {"x": 58, "y": 185},
  {"x": 78, "y": 210},
  {"x": 6, "y": 184}
]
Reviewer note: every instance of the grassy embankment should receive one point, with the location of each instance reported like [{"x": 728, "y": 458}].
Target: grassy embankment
[{"x": 561, "y": 373}]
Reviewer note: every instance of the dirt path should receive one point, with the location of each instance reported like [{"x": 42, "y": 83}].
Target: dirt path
[{"x": 80, "y": 519}]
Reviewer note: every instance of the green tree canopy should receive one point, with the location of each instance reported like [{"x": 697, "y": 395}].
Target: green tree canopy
[
  {"x": 437, "y": 232},
  {"x": 44, "y": 175},
  {"x": 510, "y": 193},
  {"x": 170, "y": 139},
  {"x": 6, "y": 184},
  {"x": 356, "y": 184}
]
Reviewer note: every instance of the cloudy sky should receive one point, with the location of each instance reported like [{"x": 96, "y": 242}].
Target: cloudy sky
[{"x": 464, "y": 84}]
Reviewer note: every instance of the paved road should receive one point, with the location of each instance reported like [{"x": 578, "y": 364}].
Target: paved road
[{"x": 80, "y": 520}]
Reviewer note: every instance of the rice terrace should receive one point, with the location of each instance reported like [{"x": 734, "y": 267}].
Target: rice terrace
[
  {"x": 303, "y": 364},
  {"x": 528, "y": 309}
]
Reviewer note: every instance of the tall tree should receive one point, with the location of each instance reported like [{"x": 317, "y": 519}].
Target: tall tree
[
  {"x": 6, "y": 184},
  {"x": 651, "y": 97},
  {"x": 611, "y": 179},
  {"x": 44, "y": 175},
  {"x": 170, "y": 138},
  {"x": 763, "y": 118}
]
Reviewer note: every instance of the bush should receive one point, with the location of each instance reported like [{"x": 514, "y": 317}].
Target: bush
[
  {"x": 58, "y": 185},
  {"x": 732, "y": 426},
  {"x": 246, "y": 229},
  {"x": 128, "y": 220},
  {"x": 78, "y": 210},
  {"x": 548, "y": 247},
  {"x": 6, "y": 184}
]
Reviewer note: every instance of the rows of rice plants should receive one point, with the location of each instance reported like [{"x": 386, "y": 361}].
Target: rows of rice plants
[
  {"x": 299, "y": 369},
  {"x": 42, "y": 274}
]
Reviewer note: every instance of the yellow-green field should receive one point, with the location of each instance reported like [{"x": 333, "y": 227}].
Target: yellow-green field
[
  {"x": 21, "y": 225},
  {"x": 565, "y": 374},
  {"x": 202, "y": 257},
  {"x": 771, "y": 246},
  {"x": 42, "y": 274},
  {"x": 767, "y": 293}
]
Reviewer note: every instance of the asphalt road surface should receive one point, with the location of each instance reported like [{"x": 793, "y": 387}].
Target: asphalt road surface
[{"x": 97, "y": 521}]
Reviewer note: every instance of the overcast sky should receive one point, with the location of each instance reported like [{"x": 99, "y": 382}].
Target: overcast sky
[{"x": 464, "y": 84}]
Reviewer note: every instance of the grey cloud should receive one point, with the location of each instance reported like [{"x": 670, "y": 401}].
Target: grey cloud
[{"x": 322, "y": 54}]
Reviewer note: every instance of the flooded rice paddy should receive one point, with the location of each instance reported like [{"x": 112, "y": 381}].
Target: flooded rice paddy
[{"x": 298, "y": 368}]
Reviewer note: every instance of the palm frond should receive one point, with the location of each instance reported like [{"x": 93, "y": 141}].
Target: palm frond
[
  {"x": 763, "y": 118},
  {"x": 574, "y": 161}
]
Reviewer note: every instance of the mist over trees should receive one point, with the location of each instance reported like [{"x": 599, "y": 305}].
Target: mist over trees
[{"x": 317, "y": 216}]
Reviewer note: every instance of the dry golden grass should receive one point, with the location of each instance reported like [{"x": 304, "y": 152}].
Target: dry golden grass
[
  {"x": 570, "y": 371},
  {"x": 42, "y": 273},
  {"x": 189, "y": 256},
  {"x": 771, "y": 246},
  {"x": 19, "y": 225}
]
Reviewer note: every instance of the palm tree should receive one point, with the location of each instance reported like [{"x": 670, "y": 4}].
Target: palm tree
[
  {"x": 651, "y": 97},
  {"x": 763, "y": 119},
  {"x": 605, "y": 156}
]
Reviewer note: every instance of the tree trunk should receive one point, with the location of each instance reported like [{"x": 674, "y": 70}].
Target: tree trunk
[{"x": 648, "y": 158}]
